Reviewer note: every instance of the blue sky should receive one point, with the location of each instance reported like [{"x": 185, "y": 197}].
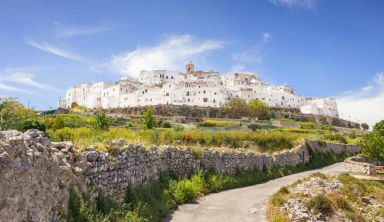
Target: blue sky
[{"x": 319, "y": 47}]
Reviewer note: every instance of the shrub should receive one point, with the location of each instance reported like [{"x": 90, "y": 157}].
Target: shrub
[
  {"x": 166, "y": 124},
  {"x": 178, "y": 127},
  {"x": 149, "y": 119},
  {"x": 258, "y": 108},
  {"x": 283, "y": 190},
  {"x": 336, "y": 137},
  {"x": 364, "y": 126},
  {"x": 236, "y": 108},
  {"x": 319, "y": 204},
  {"x": 32, "y": 124},
  {"x": 155, "y": 136},
  {"x": 254, "y": 127},
  {"x": 64, "y": 134},
  {"x": 102, "y": 121},
  {"x": 373, "y": 142},
  {"x": 13, "y": 115},
  {"x": 277, "y": 200}
]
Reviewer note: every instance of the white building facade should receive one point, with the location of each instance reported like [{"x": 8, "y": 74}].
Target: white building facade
[{"x": 192, "y": 88}]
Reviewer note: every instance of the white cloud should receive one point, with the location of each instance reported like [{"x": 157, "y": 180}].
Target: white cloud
[
  {"x": 254, "y": 55},
  {"x": 8, "y": 88},
  {"x": 74, "y": 31},
  {"x": 54, "y": 50},
  {"x": 20, "y": 79},
  {"x": 306, "y": 4},
  {"x": 26, "y": 79},
  {"x": 365, "y": 104},
  {"x": 170, "y": 54}
]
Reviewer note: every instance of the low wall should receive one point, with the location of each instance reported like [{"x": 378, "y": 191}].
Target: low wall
[
  {"x": 35, "y": 173},
  {"x": 357, "y": 164}
]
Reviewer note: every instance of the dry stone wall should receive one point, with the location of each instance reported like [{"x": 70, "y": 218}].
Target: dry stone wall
[{"x": 35, "y": 173}]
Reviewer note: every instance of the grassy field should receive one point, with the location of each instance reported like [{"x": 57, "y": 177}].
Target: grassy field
[{"x": 208, "y": 133}]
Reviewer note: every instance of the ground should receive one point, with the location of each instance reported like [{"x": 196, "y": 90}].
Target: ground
[{"x": 243, "y": 204}]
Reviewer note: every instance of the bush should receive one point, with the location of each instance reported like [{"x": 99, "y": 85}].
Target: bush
[
  {"x": 102, "y": 121},
  {"x": 64, "y": 134},
  {"x": 258, "y": 108},
  {"x": 336, "y": 137},
  {"x": 254, "y": 127},
  {"x": 319, "y": 204},
  {"x": 13, "y": 115},
  {"x": 372, "y": 144},
  {"x": 149, "y": 119},
  {"x": 32, "y": 124},
  {"x": 178, "y": 127},
  {"x": 236, "y": 108},
  {"x": 364, "y": 126},
  {"x": 166, "y": 124}
]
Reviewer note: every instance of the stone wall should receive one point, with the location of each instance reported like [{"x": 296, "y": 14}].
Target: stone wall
[
  {"x": 34, "y": 177},
  {"x": 35, "y": 174},
  {"x": 360, "y": 165}
]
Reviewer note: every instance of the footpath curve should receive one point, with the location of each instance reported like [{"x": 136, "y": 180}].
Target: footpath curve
[{"x": 242, "y": 204}]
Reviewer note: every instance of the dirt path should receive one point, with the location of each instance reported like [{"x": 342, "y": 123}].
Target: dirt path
[{"x": 243, "y": 204}]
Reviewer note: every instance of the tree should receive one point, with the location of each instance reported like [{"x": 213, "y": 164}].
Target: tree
[
  {"x": 372, "y": 144},
  {"x": 364, "y": 126},
  {"x": 258, "y": 108},
  {"x": 149, "y": 119},
  {"x": 102, "y": 121},
  {"x": 13, "y": 115},
  {"x": 236, "y": 108}
]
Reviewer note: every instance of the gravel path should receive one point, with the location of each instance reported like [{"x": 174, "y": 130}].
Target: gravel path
[{"x": 242, "y": 204}]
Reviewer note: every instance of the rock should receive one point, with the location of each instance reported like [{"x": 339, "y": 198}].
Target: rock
[
  {"x": 34, "y": 133},
  {"x": 5, "y": 160},
  {"x": 366, "y": 200},
  {"x": 92, "y": 156}
]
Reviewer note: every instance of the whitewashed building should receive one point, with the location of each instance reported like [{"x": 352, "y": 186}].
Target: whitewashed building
[{"x": 192, "y": 88}]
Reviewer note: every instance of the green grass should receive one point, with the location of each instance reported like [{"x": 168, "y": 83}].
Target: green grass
[
  {"x": 217, "y": 123},
  {"x": 153, "y": 201},
  {"x": 319, "y": 204}
]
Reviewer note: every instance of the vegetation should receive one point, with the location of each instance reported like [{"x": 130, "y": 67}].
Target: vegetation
[
  {"x": 349, "y": 201},
  {"x": 238, "y": 108},
  {"x": 102, "y": 121},
  {"x": 14, "y": 115},
  {"x": 372, "y": 144},
  {"x": 319, "y": 204},
  {"x": 258, "y": 108},
  {"x": 336, "y": 137},
  {"x": 149, "y": 119},
  {"x": 153, "y": 201},
  {"x": 217, "y": 123},
  {"x": 364, "y": 126}
]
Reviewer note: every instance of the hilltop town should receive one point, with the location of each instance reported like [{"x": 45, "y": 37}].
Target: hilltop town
[{"x": 192, "y": 88}]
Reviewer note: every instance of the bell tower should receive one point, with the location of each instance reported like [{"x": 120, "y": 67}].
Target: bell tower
[{"x": 190, "y": 67}]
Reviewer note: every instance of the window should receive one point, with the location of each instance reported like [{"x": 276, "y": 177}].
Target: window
[
  {"x": 214, "y": 101},
  {"x": 204, "y": 91},
  {"x": 205, "y": 100},
  {"x": 167, "y": 94}
]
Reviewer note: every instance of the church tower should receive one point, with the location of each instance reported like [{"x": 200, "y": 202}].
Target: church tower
[{"x": 190, "y": 67}]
